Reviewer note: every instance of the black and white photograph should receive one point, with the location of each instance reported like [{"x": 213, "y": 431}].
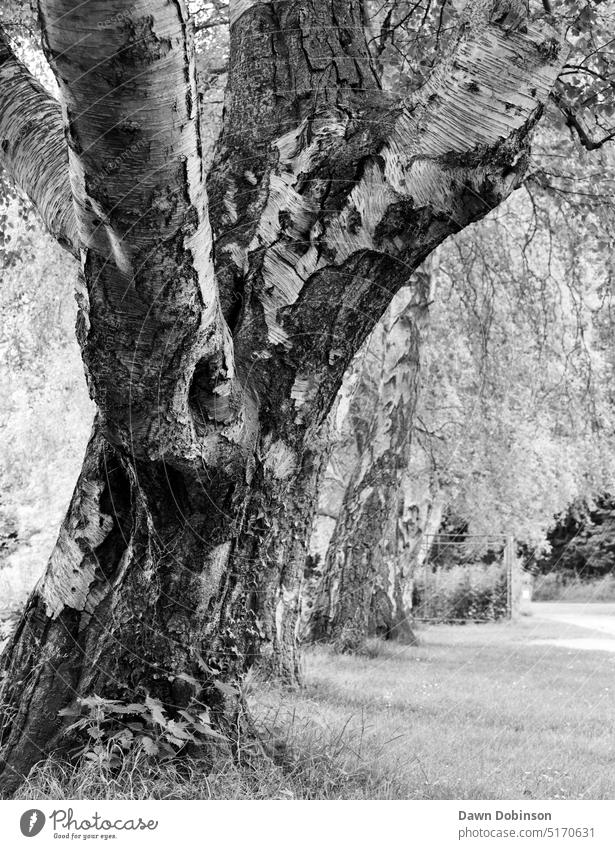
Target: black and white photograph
[{"x": 307, "y": 422}]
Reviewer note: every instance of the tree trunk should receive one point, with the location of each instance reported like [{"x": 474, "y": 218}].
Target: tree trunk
[
  {"x": 405, "y": 546},
  {"x": 214, "y": 370},
  {"x": 365, "y": 569},
  {"x": 149, "y": 590},
  {"x": 281, "y": 576}
]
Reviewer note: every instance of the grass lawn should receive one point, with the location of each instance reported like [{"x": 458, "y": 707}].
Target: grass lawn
[{"x": 476, "y": 711}]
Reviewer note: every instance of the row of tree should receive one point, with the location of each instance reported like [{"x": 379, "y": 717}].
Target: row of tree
[{"x": 226, "y": 297}]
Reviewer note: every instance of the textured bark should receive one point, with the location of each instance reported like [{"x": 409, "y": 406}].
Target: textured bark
[
  {"x": 32, "y": 147},
  {"x": 148, "y": 591},
  {"x": 416, "y": 514},
  {"x": 150, "y": 317},
  {"x": 368, "y": 563},
  {"x": 278, "y": 595},
  {"x": 213, "y": 374},
  {"x": 346, "y": 422}
]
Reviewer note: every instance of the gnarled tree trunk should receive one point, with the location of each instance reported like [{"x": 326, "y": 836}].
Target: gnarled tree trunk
[{"x": 214, "y": 362}]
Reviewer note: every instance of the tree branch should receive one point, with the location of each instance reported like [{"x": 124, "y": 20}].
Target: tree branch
[
  {"x": 33, "y": 148},
  {"x": 574, "y": 122},
  {"x": 288, "y": 60},
  {"x": 364, "y": 187}
]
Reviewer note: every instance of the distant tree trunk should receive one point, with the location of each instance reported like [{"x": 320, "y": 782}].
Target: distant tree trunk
[
  {"x": 365, "y": 572},
  {"x": 345, "y": 424},
  {"x": 214, "y": 362},
  {"x": 277, "y": 597},
  {"x": 406, "y": 544}
]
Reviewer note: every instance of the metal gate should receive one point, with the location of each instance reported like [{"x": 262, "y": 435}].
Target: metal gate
[{"x": 465, "y": 578}]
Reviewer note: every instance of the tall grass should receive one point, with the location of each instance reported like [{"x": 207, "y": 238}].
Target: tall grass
[{"x": 295, "y": 757}]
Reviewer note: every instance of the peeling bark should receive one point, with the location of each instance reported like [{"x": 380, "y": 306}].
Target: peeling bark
[
  {"x": 365, "y": 577},
  {"x": 214, "y": 374},
  {"x": 151, "y": 592},
  {"x": 150, "y": 315},
  {"x": 33, "y": 149}
]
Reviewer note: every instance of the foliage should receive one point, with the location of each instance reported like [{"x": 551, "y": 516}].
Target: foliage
[
  {"x": 582, "y": 541},
  {"x": 585, "y": 94},
  {"x": 107, "y": 729},
  {"x": 558, "y": 586},
  {"x": 469, "y": 592},
  {"x": 297, "y": 758},
  {"x": 515, "y": 404},
  {"x": 46, "y": 414}
]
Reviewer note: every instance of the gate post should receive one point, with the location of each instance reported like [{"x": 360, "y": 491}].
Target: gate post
[{"x": 513, "y": 590}]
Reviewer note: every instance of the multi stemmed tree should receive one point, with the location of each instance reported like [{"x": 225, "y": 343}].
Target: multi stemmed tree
[{"x": 215, "y": 337}]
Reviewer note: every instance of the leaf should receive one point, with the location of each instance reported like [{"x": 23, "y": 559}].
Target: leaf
[
  {"x": 178, "y": 729},
  {"x": 187, "y": 716},
  {"x": 124, "y": 738},
  {"x": 79, "y": 725},
  {"x": 226, "y": 689},
  {"x": 208, "y": 731},
  {"x": 167, "y": 752},
  {"x": 183, "y": 676},
  {"x": 132, "y": 708},
  {"x": 150, "y": 747},
  {"x": 175, "y": 741},
  {"x": 156, "y": 710},
  {"x": 97, "y": 701}
]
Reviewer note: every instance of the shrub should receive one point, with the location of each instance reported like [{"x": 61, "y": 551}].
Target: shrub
[
  {"x": 562, "y": 587},
  {"x": 474, "y": 592}
]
